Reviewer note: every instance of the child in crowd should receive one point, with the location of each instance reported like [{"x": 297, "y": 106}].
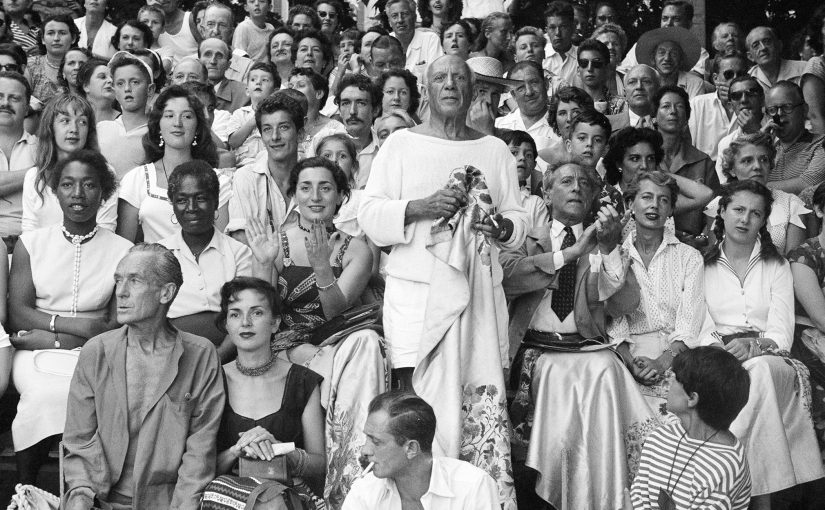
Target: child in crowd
[
  {"x": 696, "y": 462},
  {"x": 523, "y": 148},
  {"x": 244, "y": 137},
  {"x": 252, "y": 34},
  {"x": 390, "y": 122},
  {"x": 153, "y": 17}
]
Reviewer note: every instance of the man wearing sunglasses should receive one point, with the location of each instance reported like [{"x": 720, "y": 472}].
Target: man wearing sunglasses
[
  {"x": 712, "y": 116},
  {"x": 747, "y": 99},
  {"x": 800, "y": 156}
]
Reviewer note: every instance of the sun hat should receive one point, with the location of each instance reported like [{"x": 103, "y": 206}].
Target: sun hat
[
  {"x": 489, "y": 69},
  {"x": 687, "y": 42}
]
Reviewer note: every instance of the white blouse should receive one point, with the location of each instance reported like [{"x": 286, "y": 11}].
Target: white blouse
[
  {"x": 222, "y": 260},
  {"x": 139, "y": 187},
  {"x": 672, "y": 293},
  {"x": 764, "y": 302}
]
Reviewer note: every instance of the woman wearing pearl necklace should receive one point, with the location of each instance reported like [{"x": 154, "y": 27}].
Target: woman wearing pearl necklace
[{"x": 62, "y": 290}]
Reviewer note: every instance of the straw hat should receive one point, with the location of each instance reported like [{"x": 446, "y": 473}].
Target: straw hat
[
  {"x": 489, "y": 69},
  {"x": 689, "y": 44}
]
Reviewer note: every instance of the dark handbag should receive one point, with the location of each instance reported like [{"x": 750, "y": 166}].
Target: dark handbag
[
  {"x": 726, "y": 339},
  {"x": 348, "y": 321},
  {"x": 275, "y": 469}
]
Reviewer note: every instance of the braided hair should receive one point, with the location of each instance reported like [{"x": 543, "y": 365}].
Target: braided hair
[{"x": 768, "y": 250}]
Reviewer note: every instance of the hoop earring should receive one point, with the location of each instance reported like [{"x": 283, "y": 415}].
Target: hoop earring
[
  {"x": 173, "y": 219},
  {"x": 160, "y": 142}
]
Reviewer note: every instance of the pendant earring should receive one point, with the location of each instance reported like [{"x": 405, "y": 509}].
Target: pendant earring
[
  {"x": 173, "y": 219},
  {"x": 195, "y": 142},
  {"x": 160, "y": 143}
]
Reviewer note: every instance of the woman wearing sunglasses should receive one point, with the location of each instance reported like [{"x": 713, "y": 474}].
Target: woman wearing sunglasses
[{"x": 593, "y": 72}]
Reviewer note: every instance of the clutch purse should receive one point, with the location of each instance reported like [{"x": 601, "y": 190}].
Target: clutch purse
[{"x": 275, "y": 469}]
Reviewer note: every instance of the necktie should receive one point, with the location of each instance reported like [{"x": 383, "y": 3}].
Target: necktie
[{"x": 562, "y": 303}]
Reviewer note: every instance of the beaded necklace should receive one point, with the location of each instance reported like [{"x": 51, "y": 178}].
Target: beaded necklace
[
  {"x": 77, "y": 241},
  {"x": 255, "y": 371}
]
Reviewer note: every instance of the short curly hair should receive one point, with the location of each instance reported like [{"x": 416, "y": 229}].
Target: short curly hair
[
  {"x": 568, "y": 94},
  {"x": 95, "y": 161},
  {"x": 409, "y": 79},
  {"x": 759, "y": 139},
  {"x": 199, "y": 170},
  {"x": 339, "y": 177},
  {"x": 622, "y": 140}
]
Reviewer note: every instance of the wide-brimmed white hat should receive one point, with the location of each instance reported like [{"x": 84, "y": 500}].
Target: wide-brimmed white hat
[
  {"x": 689, "y": 44},
  {"x": 489, "y": 69}
]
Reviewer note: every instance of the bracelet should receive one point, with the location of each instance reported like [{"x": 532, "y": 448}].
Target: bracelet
[
  {"x": 51, "y": 323},
  {"x": 326, "y": 287}
]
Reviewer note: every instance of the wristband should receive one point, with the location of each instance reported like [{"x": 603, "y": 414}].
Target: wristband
[{"x": 51, "y": 323}]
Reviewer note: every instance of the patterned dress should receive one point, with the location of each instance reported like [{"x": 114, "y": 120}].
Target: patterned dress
[{"x": 298, "y": 292}]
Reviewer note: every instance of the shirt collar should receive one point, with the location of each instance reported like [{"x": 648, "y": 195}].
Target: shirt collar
[
  {"x": 439, "y": 481},
  {"x": 177, "y": 243},
  {"x": 557, "y": 228}
]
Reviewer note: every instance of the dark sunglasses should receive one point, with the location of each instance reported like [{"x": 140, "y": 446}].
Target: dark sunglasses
[
  {"x": 740, "y": 94},
  {"x": 10, "y": 68},
  {"x": 730, "y": 74},
  {"x": 585, "y": 63},
  {"x": 324, "y": 14}
]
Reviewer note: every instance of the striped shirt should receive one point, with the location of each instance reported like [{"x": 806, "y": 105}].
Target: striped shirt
[
  {"x": 28, "y": 41},
  {"x": 717, "y": 476},
  {"x": 805, "y": 158}
]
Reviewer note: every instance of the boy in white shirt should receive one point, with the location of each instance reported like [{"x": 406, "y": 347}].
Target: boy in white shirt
[
  {"x": 252, "y": 34},
  {"x": 244, "y": 137}
]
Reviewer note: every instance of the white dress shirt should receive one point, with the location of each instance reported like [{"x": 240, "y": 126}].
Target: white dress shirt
[
  {"x": 764, "y": 302},
  {"x": 564, "y": 67},
  {"x": 544, "y": 318},
  {"x": 709, "y": 123},
  {"x": 454, "y": 485}
]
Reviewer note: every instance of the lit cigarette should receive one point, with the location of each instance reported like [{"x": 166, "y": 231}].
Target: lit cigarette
[{"x": 368, "y": 470}]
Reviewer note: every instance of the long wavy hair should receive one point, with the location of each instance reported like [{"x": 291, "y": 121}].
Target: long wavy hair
[
  {"x": 204, "y": 148},
  {"x": 452, "y": 13},
  {"x": 768, "y": 250},
  {"x": 47, "y": 147}
]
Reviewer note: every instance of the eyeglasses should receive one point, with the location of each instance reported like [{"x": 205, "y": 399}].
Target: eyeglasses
[
  {"x": 787, "y": 109},
  {"x": 730, "y": 74},
  {"x": 740, "y": 94},
  {"x": 10, "y": 68},
  {"x": 324, "y": 14},
  {"x": 585, "y": 63}
]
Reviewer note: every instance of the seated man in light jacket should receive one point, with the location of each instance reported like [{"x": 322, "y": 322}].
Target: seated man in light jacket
[{"x": 145, "y": 401}]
